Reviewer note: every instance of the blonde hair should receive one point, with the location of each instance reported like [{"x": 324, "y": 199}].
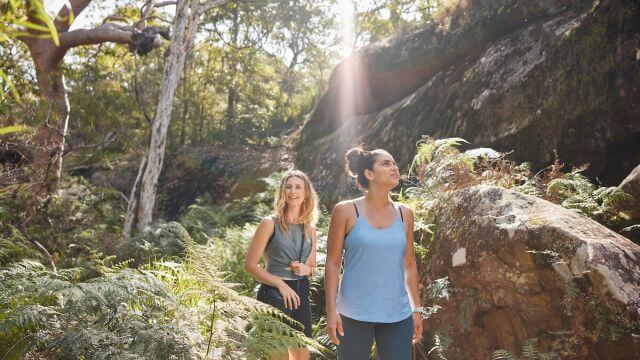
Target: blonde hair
[{"x": 309, "y": 209}]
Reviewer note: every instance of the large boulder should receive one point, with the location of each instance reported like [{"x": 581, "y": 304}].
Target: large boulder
[
  {"x": 529, "y": 76},
  {"x": 522, "y": 268}
]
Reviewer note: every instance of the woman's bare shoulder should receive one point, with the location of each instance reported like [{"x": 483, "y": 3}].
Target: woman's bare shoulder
[
  {"x": 267, "y": 221},
  {"x": 406, "y": 209},
  {"x": 345, "y": 206}
]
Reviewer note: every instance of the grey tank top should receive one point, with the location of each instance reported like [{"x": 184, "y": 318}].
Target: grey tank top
[{"x": 284, "y": 248}]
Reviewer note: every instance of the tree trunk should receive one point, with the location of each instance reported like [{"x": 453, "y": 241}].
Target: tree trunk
[
  {"x": 49, "y": 139},
  {"x": 174, "y": 64},
  {"x": 198, "y": 132},
  {"x": 231, "y": 108},
  {"x": 132, "y": 208},
  {"x": 50, "y": 135},
  {"x": 233, "y": 69},
  {"x": 185, "y": 101}
]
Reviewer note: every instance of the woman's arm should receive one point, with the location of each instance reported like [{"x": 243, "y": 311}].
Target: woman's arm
[
  {"x": 335, "y": 245},
  {"x": 411, "y": 275},
  {"x": 256, "y": 249}
]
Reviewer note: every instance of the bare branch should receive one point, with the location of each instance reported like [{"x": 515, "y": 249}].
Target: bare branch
[
  {"x": 62, "y": 19},
  {"x": 165, "y": 3},
  {"x": 115, "y": 18},
  {"x": 208, "y": 5},
  {"x": 145, "y": 11},
  {"x": 108, "y": 139},
  {"x": 103, "y": 33}
]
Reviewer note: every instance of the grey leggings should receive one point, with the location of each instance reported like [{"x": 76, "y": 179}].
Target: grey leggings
[{"x": 393, "y": 340}]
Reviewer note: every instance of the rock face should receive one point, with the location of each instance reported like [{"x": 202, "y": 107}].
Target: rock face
[
  {"x": 522, "y": 268},
  {"x": 631, "y": 185},
  {"x": 528, "y": 76}
]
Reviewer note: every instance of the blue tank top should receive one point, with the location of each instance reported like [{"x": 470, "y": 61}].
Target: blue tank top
[{"x": 372, "y": 287}]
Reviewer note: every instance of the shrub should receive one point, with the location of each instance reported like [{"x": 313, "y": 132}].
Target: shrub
[{"x": 163, "y": 240}]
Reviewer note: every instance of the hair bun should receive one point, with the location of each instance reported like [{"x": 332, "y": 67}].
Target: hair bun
[{"x": 354, "y": 159}]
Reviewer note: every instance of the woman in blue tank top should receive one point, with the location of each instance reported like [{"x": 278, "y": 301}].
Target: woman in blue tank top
[
  {"x": 378, "y": 296},
  {"x": 284, "y": 239}
]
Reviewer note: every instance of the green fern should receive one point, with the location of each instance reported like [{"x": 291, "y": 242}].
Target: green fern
[
  {"x": 163, "y": 240},
  {"x": 530, "y": 351},
  {"x": 122, "y": 309},
  {"x": 502, "y": 355},
  {"x": 571, "y": 293},
  {"x": 440, "y": 289},
  {"x": 441, "y": 345},
  {"x": 259, "y": 329},
  {"x": 608, "y": 205},
  {"x": 14, "y": 247},
  {"x": 429, "y": 148}
]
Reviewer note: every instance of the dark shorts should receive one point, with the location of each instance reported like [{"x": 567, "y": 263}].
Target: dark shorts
[
  {"x": 303, "y": 313},
  {"x": 393, "y": 340}
]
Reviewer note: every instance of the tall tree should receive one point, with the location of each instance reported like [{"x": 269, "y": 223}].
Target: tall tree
[
  {"x": 185, "y": 23},
  {"x": 48, "y": 41},
  {"x": 48, "y": 53}
]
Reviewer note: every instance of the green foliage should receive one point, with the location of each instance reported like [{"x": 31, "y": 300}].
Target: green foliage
[
  {"x": 264, "y": 328},
  {"x": 530, "y": 351},
  {"x": 429, "y": 149},
  {"x": 571, "y": 293},
  {"x": 204, "y": 221},
  {"x": 110, "y": 76},
  {"x": 79, "y": 216},
  {"x": 14, "y": 23},
  {"x": 379, "y": 19},
  {"x": 438, "y": 163},
  {"x": 608, "y": 205},
  {"x": 503, "y": 355},
  {"x": 163, "y": 310},
  {"x": 164, "y": 240},
  {"x": 441, "y": 342},
  {"x": 440, "y": 289},
  {"x": 440, "y": 167},
  {"x": 124, "y": 314},
  {"x": 230, "y": 250},
  {"x": 14, "y": 247}
]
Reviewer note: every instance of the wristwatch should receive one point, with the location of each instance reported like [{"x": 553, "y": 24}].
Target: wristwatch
[{"x": 418, "y": 309}]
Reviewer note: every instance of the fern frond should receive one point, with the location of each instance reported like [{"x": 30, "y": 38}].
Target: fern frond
[
  {"x": 571, "y": 293},
  {"x": 502, "y": 355},
  {"x": 441, "y": 344},
  {"x": 440, "y": 289},
  {"x": 530, "y": 349},
  {"x": 27, "y": 318}
]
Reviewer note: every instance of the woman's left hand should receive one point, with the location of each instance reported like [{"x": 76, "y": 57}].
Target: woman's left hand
[
  {"x": 299, "y": 268},
  {"x": 417, "y": 327}
]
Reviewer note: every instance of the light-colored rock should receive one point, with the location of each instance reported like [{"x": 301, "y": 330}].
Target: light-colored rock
[{"x": 459, "y": 257}]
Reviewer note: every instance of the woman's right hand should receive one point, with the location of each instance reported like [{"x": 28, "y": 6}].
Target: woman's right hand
[
  {"x": 290, "y": 297},
  {"x": 334, "y": 324}
]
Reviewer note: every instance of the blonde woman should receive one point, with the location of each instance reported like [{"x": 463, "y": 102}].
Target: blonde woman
[{"x": 287, "y": 240}]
